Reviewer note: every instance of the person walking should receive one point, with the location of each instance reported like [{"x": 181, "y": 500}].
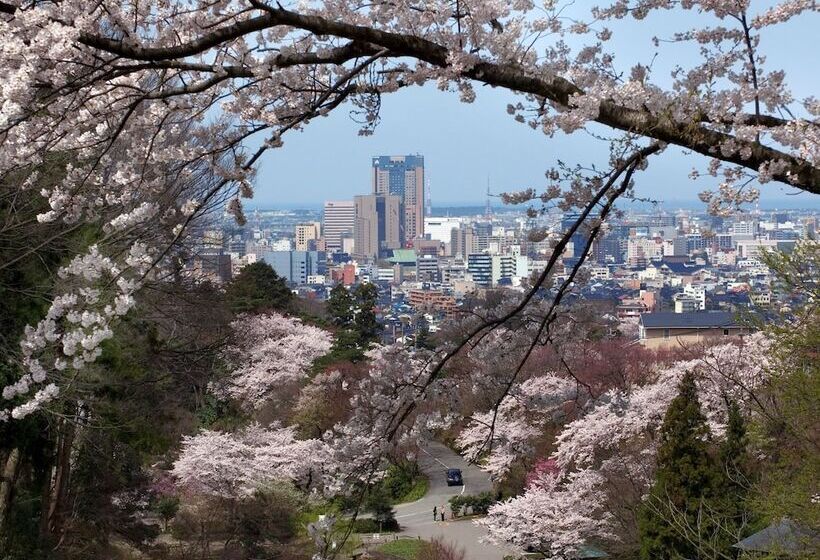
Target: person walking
[
  {"x": 435, "y": 513},
  {"x": 442, "y": 513}
]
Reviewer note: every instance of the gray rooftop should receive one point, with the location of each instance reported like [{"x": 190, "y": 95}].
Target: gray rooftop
[
  {"x": 782, "y": 537},
  {"x": 693, "y": 320}
]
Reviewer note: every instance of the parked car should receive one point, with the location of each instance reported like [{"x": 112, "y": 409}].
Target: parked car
[{"x": 454, "y": 477}]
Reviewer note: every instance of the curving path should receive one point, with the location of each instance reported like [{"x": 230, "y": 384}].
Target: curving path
[{"x": 416, "y": 518}]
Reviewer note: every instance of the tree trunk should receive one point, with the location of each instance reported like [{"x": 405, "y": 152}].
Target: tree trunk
[
  {"x": 55, "y": 504},
  {"x": 10, "y": 469}
]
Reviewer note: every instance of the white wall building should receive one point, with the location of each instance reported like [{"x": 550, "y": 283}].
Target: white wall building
[
  {"x": 441, "y": 229},
  {"x": 338, "y": 223},
  {"x": 698, "y": 292}
]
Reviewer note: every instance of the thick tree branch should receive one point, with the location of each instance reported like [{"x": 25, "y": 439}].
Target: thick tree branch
[{"x": 694, "y": 136}]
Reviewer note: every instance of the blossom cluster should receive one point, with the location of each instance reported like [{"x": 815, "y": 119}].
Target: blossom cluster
[
  {"x": 237, "y": 464},
  {"x": 271, "y": 352},
  {"x": 77, "y": 322}
]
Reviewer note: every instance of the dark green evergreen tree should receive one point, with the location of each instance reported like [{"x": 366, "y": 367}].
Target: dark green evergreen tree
[
  {"x": 733, "y": 453},
  {"x": 423, "y": 339},
  {"x": 340, "y": 306},
  {"x": 733, "y": 462},
  {"x": 685, "y": 481},
  {"x": 378, "y": 503},
  {"x": 258, "y": 288},
  {"x": 368, "y": 328}
]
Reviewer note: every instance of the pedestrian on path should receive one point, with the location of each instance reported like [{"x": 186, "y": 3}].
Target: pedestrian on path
[
  {"x": 435, "y": 513},
  {"x": 442, "y": 513}
]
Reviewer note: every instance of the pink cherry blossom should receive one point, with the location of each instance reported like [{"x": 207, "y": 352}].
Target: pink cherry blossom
[
  {"x": 237, "y": 464},
  {"x": 271, "y": 352}
]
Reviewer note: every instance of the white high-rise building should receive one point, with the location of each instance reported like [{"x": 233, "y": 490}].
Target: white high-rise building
[
  {"x": 698, "y": 292},
  {"x": 338, "y": 222}
]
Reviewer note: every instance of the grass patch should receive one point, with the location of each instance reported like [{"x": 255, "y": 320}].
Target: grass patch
[
  {"x": 416, "y": 492},
  {"x": 403, "y": 548}
]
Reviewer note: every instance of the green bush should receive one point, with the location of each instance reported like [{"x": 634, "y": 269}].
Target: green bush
[
  {"x": 404, "y": 482},
  {"x": 477, "y": 504},
  {"x": 371, "y": 525}
]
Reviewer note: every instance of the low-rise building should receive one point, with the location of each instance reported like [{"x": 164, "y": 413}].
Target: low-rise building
[
  {"x": 668, "y": 330},
  {"x": 432, "y": 300}
]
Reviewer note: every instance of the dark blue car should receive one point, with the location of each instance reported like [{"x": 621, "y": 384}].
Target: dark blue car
[{"x": 454, "y": 477}]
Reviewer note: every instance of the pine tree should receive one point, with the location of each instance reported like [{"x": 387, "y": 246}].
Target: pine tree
[
  {"x": 684, "y": 482},
  {"x": 340, "y": 306},
  {"x": 733, "y": 463},
  {"x": 258, "y": 288},
  {"x": 366, "y": 325}
]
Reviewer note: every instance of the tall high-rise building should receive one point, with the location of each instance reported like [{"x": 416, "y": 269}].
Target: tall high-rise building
[
  {"x": 378, "y": 226},
  {"x": 480, "y": 266},
  {"x": 403, "y": 176},
  {"x": 338, "y": 222},
  {"x": 307, "y": 233}
]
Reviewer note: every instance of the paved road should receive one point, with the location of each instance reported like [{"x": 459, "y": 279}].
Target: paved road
[{"x": 416, "y": 518}]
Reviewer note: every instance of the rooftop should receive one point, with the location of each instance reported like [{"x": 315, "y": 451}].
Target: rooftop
[
  {"x": 782, "y": 537},
  {"x": 692, "y": 320},
  {"x": 403, "y": 256}
]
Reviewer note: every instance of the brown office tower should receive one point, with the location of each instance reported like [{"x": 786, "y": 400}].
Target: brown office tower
[
  {"x": 403, "y": 176},
  {"x": 378, "y": 227}
]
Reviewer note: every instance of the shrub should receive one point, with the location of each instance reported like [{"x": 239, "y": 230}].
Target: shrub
[
  {"x": 479, "y": 503},
  {"x": 371, "y": 525},
  {"x": 402, "y": 481}
]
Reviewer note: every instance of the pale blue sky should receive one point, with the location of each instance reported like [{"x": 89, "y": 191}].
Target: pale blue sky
[{"x": 463, "y": 144}]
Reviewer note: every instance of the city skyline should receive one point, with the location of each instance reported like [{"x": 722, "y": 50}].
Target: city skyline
[{"x": 472, "y": 192}]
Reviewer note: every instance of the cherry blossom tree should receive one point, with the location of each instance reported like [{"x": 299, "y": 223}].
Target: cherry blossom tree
[
  {"x": 271, "y": 352},
  {"x": 233, "y": 465},
  {"x": 556, "y": 516},
  {"x": 500, "y": 437},
  {"x": 394, "y": 379}
]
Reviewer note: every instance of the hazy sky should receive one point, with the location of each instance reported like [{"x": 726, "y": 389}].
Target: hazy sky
[{"x": 465, "y": 144}]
